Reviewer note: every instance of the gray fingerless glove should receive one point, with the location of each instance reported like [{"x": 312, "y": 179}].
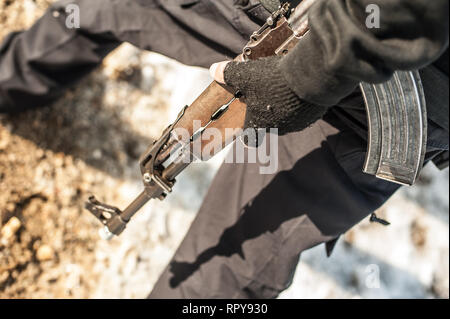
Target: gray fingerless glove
[{"x": 270, "y": 101}]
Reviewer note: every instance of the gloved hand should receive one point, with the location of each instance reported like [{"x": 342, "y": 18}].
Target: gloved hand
[
  {"x": 337, "y": 53},
  {"x": 271, "y": 103}
]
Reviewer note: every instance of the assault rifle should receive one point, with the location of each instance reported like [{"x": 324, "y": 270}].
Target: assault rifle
[{"x": 395, "y": 110}]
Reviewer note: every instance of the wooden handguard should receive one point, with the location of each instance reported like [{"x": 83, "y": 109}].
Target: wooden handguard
[{"x": 263, "y": 43}]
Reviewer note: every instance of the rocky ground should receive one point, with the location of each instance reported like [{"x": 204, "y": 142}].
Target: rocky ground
[{"x": 53, "y": 158}]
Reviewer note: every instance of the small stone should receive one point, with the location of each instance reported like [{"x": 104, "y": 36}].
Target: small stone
[
  {"x": 10, "y": 229},
  {"x": 59, "y": 159},
  {"x": 40, "y": 153},
  {"x": 3, "y": 142},
  {"x": 4, "y": 276},
  {"x": 97, "y": 154},
  {"x": 44, "y": 253},
  {"x": 10, "y": 207}
]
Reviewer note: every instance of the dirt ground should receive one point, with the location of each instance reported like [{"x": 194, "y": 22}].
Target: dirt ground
[
  {"x": 52, "y": 159},
  {"x": 88, "y": 142}
]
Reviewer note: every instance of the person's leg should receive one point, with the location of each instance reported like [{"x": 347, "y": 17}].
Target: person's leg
[
  {"x": 248, "y": 235},
  {"x": 39, "y": 63}
]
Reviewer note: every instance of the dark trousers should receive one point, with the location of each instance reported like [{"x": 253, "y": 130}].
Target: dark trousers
[{"x": 251, "y": 229}]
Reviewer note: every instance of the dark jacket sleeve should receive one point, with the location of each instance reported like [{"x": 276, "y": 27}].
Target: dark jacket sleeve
[{"x": 340, "y": 51}]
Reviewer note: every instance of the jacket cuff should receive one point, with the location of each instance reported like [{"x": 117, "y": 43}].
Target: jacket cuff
[{"x": 306, "y": 73}]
